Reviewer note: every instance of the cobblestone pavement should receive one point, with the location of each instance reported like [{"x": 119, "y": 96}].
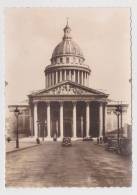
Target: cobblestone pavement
[{"x": 82, "y": 165}]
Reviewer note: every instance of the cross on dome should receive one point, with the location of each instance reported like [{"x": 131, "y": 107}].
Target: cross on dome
[{"x": 67, "y": 21}]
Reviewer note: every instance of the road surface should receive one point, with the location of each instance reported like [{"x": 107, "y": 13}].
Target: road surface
[{"x": 85, "y": 164}]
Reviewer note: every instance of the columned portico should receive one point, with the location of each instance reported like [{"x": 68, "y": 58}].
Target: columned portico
[{"x": 73, "y": 118}]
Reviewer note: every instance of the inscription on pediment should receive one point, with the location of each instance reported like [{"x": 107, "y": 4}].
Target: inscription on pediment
[{"x": 67, "y": 90}]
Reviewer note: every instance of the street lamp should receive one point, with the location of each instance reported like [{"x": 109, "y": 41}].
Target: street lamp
[
  {"x": 17, "y": 113},
  {"x": 118, "y": 112}
]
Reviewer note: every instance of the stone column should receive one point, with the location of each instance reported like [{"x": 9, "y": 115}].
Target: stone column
[
  {"x": 100, "y": 120},
  {"x": 74, "y": 76},
  {"x": 50, "y": 79},
  {"x": 78, "y": 78},
  {"x": 70, "y": 75},
  {"x": 35, "y": 119},
  {"x": 82, "y": 77},
  {"x": 53, "y": 78},
  {"x": 65, "y": 75},
  {"x": 87, "y": 79},
  {"x": 112, "y": 121},
  {"x": 30, "y": 122},
  {"x": 47, "y": 80},
  {"x": 74, "y": 120},
  {"x": 105, "y": 118},
  {"x": 87, "y": 119},
  {"x": 48, "y": 120},
  {"x": 60, "y": 75},
  {"x": 61, "y": 119},
  {"x": 56, "y": 77}
]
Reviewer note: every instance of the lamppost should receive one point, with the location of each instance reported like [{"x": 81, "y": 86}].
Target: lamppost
[
  {"x": 17, "y": 113},
  {"x": 118, "y": 112}
]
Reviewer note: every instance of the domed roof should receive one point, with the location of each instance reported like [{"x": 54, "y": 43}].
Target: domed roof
[{"x": 67, "y": 46}]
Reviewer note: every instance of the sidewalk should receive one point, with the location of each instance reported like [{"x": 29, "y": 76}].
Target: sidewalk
[{"x": 23, "y": 144}]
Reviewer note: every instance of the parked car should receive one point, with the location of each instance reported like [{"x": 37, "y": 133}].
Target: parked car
[{"x": 66, "y": 141}]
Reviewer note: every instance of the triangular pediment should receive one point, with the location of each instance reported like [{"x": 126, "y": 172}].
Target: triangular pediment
[{"x": 68, "y": 88}]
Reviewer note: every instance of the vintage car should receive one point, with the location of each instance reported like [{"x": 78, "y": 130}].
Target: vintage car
[{"x": 66, "y": 141}]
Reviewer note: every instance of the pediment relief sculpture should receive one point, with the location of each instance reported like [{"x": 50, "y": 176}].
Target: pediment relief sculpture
[{"x": 67, "y": 89}]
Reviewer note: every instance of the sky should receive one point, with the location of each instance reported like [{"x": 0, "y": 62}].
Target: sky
[{"x": 103, "y": 35}]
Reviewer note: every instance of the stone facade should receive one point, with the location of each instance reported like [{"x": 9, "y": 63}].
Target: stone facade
[{"x": 68, "y": 106}]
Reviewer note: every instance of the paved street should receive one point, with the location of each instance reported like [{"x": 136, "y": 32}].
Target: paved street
[{"x": 83, "y": 164}]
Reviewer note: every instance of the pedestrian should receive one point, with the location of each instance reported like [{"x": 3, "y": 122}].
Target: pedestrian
[
  {"x": 98, "y": 140},
  {"x": 38, "y": 140},
  {"x": 101, "y": 140}
]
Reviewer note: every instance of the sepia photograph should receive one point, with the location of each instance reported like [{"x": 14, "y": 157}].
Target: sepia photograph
[{"x": 68, "y": 116}]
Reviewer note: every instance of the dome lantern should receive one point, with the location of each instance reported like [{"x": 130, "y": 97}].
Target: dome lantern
[{"x": 67, "y": 31}]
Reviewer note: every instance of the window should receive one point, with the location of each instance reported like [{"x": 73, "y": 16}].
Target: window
[
  {"x": 67, "y": 60},
  {"x": 61, "y": 60}
]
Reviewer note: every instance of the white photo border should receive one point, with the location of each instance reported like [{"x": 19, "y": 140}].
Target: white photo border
[{"x": 70, "y": 3}]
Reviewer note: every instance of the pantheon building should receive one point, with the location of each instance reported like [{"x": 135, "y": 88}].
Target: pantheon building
[{"x": 68, "y": 107}]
